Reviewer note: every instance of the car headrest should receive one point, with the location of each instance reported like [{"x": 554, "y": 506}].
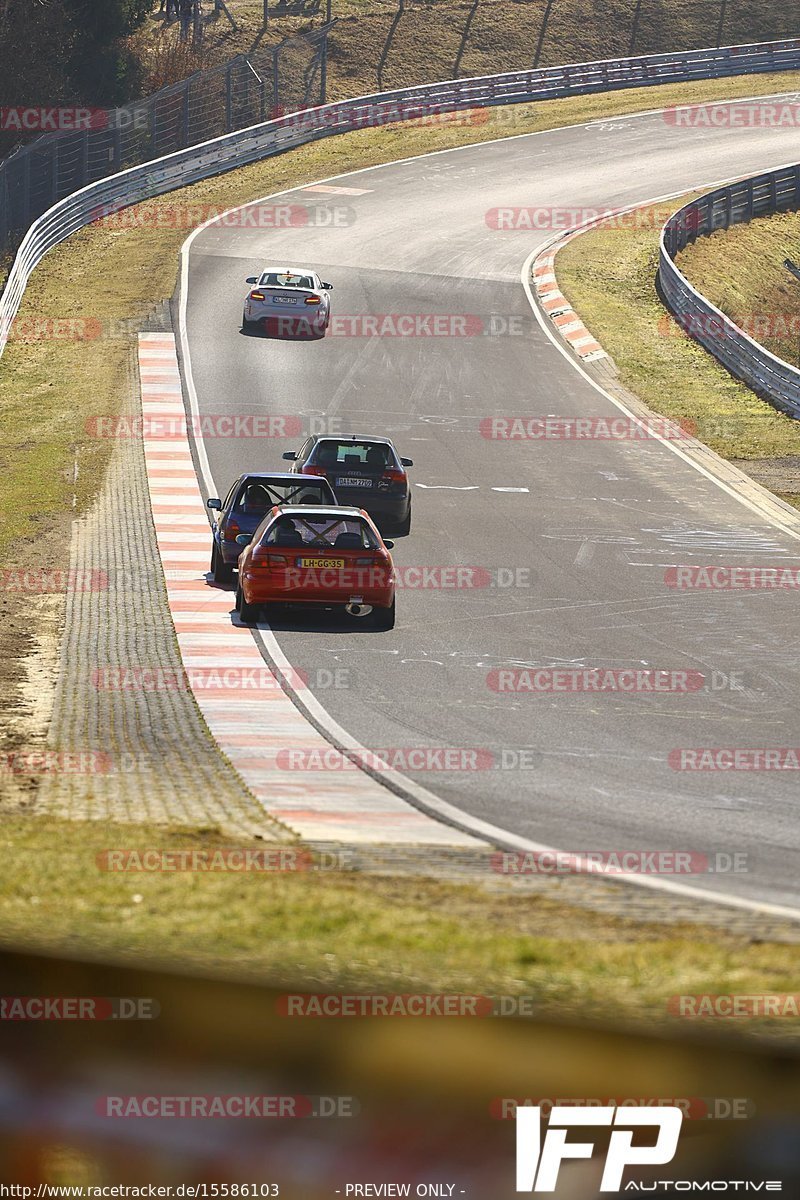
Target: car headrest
[
  {"x": 348, "y": 541},
  {"x": 288, "y": 537}
]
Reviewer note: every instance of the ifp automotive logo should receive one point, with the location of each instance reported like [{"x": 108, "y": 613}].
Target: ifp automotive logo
[{"x": 538, "y": 1162}]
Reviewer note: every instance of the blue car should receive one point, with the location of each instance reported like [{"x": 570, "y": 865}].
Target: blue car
[{"x": 248, "y": 501}]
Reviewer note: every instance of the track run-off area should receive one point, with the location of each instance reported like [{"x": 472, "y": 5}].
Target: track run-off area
[{"x": 573, "y": 542}]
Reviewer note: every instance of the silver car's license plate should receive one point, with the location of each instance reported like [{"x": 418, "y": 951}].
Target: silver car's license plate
[
  {"x": 283, "y": 300},
  {"x": 353, "y": 481}
]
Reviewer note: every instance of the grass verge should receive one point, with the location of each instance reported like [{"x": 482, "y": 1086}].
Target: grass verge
[
  {"x": 329, "y": 930},
  {"x": 741, "y": 271},
  {"x": 610, "y": 279}
]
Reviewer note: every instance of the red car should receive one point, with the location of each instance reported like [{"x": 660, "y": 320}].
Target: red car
[{"x": 317, "y": 555}]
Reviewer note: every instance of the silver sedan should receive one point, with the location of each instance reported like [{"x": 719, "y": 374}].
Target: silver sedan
[{"x": 289, "y": 302}]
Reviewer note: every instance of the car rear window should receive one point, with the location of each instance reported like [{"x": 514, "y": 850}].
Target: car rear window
[
  {"x": 278, "y": 279},
  {"x": 322, "y": 533},
  {"x": 370, "y": 456},
  {"x": 256, "y": 495}
]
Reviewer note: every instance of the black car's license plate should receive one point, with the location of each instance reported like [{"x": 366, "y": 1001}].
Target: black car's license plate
[{"x": 353, "y": 481}]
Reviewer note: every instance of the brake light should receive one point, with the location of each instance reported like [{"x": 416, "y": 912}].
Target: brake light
[
  {"x": 395, "y": 475},
  {"x": 277, "y": 560},
  {"x": 313, "y": 471},
  {"x": 232, "y": 531},
  {"x": 257, "y": 296},
  {"x": 313, "y": 300},
  {"x": 259, "y": 557}
]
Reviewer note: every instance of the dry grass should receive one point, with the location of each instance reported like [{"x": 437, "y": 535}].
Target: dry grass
[
  {"x": 503, "y": 36},
  {"x": 741, "y": 271},
  {"x": 609, "y": 276},
  {"x": 330, "y": 930}
]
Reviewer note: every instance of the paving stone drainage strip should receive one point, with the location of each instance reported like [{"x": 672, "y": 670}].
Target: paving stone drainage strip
[{"x": 251, "y": 724}]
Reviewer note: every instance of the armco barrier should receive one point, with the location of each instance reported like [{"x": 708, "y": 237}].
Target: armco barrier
[
  {"x": 274, "y": 137},
  {"x": 768, "y": 375}
]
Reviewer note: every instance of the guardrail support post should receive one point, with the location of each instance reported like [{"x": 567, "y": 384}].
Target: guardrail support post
[
  {"x": 85, "y": 158},
  {"x": 116, "y": 144},
  {"x": 635, "y": 27},
  {"x": 722, "y": 7},
  {"x": 54, "y": 170},
  {"x": 228, "y": 100}
]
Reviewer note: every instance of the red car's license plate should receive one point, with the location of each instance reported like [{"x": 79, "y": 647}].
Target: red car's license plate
[{"x": 321, "y": 563}]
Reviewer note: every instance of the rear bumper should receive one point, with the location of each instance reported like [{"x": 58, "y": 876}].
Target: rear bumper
[
  {"x": 329, "y": 587},
  {"x": 393, "y": 508},
  {"x": 286, "y": 322}
]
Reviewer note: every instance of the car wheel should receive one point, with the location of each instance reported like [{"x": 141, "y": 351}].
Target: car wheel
[
  {"x": 247, "y": 326},
  {"x": 221, "y": 572},
  {"x": 247, "y": 612},
  {"x": 404, "y": 528},
  {"x": 383, "y": 618}
]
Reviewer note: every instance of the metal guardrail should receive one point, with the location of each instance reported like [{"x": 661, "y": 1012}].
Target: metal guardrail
[
  {"x": 776, "y": 191},
  {"x": 261, "y": 141}
]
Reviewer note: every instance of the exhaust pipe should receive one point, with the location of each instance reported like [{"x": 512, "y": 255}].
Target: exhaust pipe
[{"x": 358, "y": 610}]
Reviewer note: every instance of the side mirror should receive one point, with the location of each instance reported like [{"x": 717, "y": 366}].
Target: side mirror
[
  {"x": 251, "y": 279},
  {"x": 214, "y": 502},
  {"x": 389, "y": 545},
  {"x": 290, "y": 455},
  {"x": 407, "y": 462},
  {"x": 327, "y": 287},
  {"x": 243, "y": 539}
]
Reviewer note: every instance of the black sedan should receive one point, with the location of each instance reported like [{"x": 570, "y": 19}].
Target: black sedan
[{"x": 366, "y": 472}]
